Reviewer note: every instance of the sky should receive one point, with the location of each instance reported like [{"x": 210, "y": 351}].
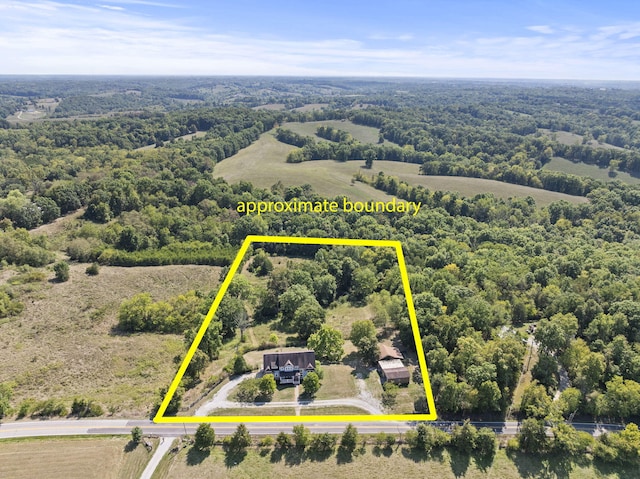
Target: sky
[{"x": 536, "y": 39}]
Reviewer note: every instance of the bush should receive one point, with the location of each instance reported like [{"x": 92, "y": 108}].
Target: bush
[
  {"x": 311, "y": 384},
  {"x": 86, "y": 408},
  {"x": 93, "y": 269},
  {"x": 390, "y": 394},
  {"x": 61, "y": 270},
  {"x": 266, "y": 441},
  {"x": 49, "y": 408},
  {"x": 283, "y": 441}
]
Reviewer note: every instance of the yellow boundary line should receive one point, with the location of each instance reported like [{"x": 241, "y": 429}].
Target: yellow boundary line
[{"x": 430, "y": 416}]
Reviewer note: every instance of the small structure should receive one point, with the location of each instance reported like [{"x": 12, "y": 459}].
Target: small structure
[
  {"x": 289, "y": 367},
  {"x": 390, "y": 366},
  {"x": 388, "y": 352},
  {"x": 394, "y": 371}
]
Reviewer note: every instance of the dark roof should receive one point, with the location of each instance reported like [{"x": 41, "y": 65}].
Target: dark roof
[
  {"x": 301, "y": 359},
  {"x": 389, "y": 352},
  {"x": 399, "y": 373}
]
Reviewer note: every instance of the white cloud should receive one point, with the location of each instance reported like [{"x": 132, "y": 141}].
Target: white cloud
[
  {"x": 545, "y": 29},
  {"x": 46, "y": 37}
]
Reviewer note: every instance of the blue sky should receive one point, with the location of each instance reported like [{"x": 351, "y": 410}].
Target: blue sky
[{"x": 581, "y": 40}]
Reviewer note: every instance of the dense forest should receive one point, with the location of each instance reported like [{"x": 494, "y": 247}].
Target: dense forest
[{"x": 480, "y": 267}]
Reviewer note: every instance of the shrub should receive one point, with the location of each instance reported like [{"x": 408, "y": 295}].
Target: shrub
[
  {"x": 61, "y": 270},
  {"x": 93, "y": 269},
  {"x": 136, "y": 435}
]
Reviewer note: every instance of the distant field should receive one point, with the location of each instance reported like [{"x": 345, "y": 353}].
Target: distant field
[
  {"x": 593, "y": 171},
  {"x": 312, "y": 107},
  {"x": 567, "y": 138},
  {"x": 373, "y": 464},
  {"x": 63, "y": 346},
  {"x": 81, "y": 458},
  {"x": 364, "y": 134},
  {"x": 264, "y": 163}
]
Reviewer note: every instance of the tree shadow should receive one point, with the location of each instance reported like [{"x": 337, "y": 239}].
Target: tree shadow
[
  {"x": 544, "y": 466},
  {"x": 382, "y": 451},
  {"x": 483, "y": 462},
  {"x": 131, "y": 446},
  {"x": 319, "y": 455},
  {"x": 294, "y": 456},
  {"x": 616, "y": 470},
  {"x": 344, "y": 456},
  {"x": 351, "y": 358},
  {"x": 196, "y": 456},
  {"x": 233, "y": 457},
  {"x": 276, "y": 455},
  {"x": 459, "y": 463}
]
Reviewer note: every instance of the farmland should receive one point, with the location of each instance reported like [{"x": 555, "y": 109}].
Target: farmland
[
  {"x": 264, "y": 164},
  {"x": 72, "y": 458}
]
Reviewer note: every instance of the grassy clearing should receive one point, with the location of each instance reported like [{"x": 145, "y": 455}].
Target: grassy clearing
[
  {"x": 264, "y": 163},
  {"x": 530, "y": 360},
  {"x": 63, "y": 345},
  {"x": 254, "y": 411},
  {"x": 82, "y": 458},
  {"x": 311, "y": 107},
  {"x": 338, "y": 382},
  {"x": 364, "y": 134},
  {"x": 344, "y": 315},
  {"x": 568, "y": 138},
  {"x": 374, "y": 464},
  {"x": 332, "y": 411},
  {"x": 593, "y": 171}
]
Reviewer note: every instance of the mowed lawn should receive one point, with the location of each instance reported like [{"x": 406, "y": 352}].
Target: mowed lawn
[
  {"x": 72, "y": 458},
  {"x": 374, "y": 464},
  {"x": 264, "y": 163},
  {"x": 64, "y": 344}
]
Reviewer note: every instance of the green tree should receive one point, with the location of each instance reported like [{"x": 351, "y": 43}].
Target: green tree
[
  {"x": 136, "y": 435},
  {"x": 349, "y": 439},
  {"x": 301, "y": 436},
  {"x": 363, "y": 336},
  {"x": 267, "y": 386},
  {"x": 308, "y": 318},
  {"x": 327, "y": 344},
  {"x": 205, "y": 437},
  {"x": 240, "y": 440},
  {"x": 311, "y": 384},
  {"x": 283, "y": 441},
  {"x": 535, "y": 401},
  {"x": 465, "y": 437},
  {"x": 533, "y": 436}
]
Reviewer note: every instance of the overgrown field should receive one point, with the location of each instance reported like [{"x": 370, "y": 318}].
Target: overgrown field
[
  {"x": 64, "y": 345},
  {"x": 71, "y": 458}
]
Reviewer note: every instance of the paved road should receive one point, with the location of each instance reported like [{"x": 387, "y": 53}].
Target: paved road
[
  {"x": 163, "y": 448},
  {"x": 123, "y": 426}
]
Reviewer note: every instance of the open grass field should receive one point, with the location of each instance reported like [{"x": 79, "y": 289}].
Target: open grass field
[
  {"x": 63, "y": 345},
  {"x": 594, "y": 171},
  {"x": 375, "y": 464},
  {"x": 72, "y": 458},
  {"x": 364, "y": 134},
  {"x": 264, "y": 163},
  {"x": 568, "y": 138},
  {"x": 332, "y": 411}
]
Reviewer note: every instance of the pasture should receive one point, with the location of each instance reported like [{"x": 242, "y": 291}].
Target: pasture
[
  {"x": 593, "y": 171},
  {"x": 264, "y": 164}
]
